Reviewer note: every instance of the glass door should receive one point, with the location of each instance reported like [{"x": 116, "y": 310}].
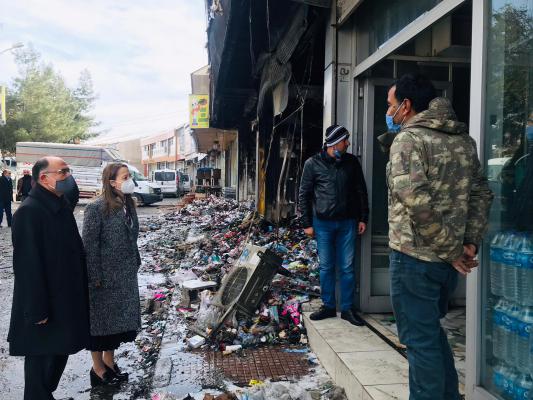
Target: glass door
[
  {"x": 374, "y": 266},
  {"x": 507, "y": 271}
]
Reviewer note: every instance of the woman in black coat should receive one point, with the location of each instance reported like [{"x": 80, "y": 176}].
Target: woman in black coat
[{"x": 110, "y": 232}]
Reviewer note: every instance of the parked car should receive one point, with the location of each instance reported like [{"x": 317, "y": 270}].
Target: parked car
[
  {"x": 184, "y": 183},
  {"x": 168, "y": 180}
]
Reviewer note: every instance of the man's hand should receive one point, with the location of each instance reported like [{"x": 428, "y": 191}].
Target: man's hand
[
  {"x": 44, "y": 321},
  {"x": 464, "y": 264},
  {"x": 309, "y": 231},
  {"x": 470, "y": 250},
  {"x": 362, "y": 228}
]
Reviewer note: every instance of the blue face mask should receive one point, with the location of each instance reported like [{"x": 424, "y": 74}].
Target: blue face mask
[{"x": 389, "y": 119}]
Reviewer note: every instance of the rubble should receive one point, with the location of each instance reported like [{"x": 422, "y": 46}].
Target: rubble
[{"x": 199, "y": 244}]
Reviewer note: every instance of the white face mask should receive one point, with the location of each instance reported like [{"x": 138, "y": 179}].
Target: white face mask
[{"x": 127, "y": 187}]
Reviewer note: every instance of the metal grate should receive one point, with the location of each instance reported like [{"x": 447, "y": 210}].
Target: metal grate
[{"x": 234, "y": 287}]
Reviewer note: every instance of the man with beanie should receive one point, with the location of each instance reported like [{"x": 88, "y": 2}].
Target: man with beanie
[{"x": 334, "y": 208}]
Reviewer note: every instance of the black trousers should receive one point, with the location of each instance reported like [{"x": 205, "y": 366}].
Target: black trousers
[
  {"x": 42, "y": 375},
  {"x": 5, "y": 207}
]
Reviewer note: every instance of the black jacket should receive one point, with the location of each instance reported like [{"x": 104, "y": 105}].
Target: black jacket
[
  {"x": 333, "y": 190},
  {"x": 24, "y": 185},
  {"x": 6, "y": 190},
  {"x": 50, "y": 279}
]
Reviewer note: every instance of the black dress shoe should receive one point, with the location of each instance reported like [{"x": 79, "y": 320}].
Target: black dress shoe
[
  {"x": 352, "y": 318},
  {"x": 323, "y": 313},
  {"x": 106, "y": 379},
  {"x": 117, "y": 373}
]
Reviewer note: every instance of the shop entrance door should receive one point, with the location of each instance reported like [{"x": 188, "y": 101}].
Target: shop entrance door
[{"x": 374, "y": 261}]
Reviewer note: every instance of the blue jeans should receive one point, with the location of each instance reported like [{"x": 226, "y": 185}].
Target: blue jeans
[
  {"x": 336, "y": 248},
  {"x": 420, "y": 292}
]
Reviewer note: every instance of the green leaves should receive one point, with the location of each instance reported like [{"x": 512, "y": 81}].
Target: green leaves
[{"x": 41, "y": 108}]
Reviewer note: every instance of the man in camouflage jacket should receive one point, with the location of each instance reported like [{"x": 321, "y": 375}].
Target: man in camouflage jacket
[{"x": 438, "y": 210}]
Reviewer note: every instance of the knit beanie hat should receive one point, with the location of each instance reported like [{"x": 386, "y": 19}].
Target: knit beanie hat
[{"x": 335, "y": 134}]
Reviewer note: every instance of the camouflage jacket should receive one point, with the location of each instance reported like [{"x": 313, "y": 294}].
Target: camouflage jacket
[{"x": 438, "y": 197}]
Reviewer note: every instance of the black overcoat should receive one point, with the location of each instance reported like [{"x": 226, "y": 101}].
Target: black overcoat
[
  {"x": 6, "y": 190},
  {"x": 50, "y": 279}
]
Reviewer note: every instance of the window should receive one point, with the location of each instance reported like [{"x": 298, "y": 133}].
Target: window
[{"x": 507, "y": 312}]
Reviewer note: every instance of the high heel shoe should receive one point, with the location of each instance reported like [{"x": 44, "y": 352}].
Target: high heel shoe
[
  {"x": 106, "y": 379},
  {"x": 117, "y": 373}
]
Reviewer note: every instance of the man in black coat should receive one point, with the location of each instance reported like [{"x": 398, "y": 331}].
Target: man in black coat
[
  {"x": 334, "y": 208},
  {"x": 6, "y": 196},
  {"x": 49, "y": 318},
  {"x": 24, "y": 185}
]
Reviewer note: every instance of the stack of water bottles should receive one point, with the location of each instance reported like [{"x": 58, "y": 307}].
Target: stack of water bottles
[{"x": 511, "y": 279}]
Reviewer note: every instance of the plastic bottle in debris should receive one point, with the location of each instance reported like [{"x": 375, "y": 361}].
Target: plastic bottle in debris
[
  {"x": 510, "y": 243},
  {"x": 523, "y": 389},
  {"x": 524, "y": 262},
  {"x": 524, "y": 325},
  {"x": 498, "y": 333},
  {"x": 496, "y": 269}
]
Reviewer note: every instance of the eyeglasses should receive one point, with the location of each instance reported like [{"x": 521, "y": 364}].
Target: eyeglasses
[{"x": 62, "y": 172}]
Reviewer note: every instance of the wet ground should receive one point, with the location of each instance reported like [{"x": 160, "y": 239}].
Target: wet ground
[
  {"x": 75, "y": 381},
  {"x": 158, "y": 361}
]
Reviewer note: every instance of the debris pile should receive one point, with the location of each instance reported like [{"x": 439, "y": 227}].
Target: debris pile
[{"x": 199, "y": 244}]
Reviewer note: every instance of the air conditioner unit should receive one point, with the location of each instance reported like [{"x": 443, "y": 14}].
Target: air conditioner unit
[{"x": 245, "y": 285}]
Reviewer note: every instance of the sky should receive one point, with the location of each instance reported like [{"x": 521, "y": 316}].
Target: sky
[{"x": 140, "y": 55}]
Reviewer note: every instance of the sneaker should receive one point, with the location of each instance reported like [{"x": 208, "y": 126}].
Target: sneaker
[
  {"x": 352, "y": 318},
  {"x": 323, "y": 313}
]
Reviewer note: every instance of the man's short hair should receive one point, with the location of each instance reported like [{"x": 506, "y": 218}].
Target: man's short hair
[
  {"x": 417, "y": 88},
  {"x": 5, "y": 171},
  {"x": 39, "y": 166}
]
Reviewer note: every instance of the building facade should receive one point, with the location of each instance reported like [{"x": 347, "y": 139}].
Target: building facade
[
  {"x": 160, "y": 151},
  {"x": 478, "y": 53},
  {"x": 129, "y": 149}
]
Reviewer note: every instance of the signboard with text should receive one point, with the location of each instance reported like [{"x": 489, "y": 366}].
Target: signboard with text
[{"x": 199, "y": 111}]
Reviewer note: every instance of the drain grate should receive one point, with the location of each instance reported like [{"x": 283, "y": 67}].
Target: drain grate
[{"x": 263, "y": 363}]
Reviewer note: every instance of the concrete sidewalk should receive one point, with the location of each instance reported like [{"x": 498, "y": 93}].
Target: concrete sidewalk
[{"x": 358, "y": 360}]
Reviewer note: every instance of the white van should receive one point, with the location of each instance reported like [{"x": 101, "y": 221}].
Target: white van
[
  {"x": 167, "y": 179},
  {"x": 184, "y": 183}
]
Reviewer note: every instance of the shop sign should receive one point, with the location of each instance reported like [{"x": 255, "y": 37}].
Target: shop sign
[{"x": 199, "y": 111}]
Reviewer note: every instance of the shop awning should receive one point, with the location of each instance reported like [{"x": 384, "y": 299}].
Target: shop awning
[
  {"x": 195, "y": 156},
  {"x": 206, "y": 138}
]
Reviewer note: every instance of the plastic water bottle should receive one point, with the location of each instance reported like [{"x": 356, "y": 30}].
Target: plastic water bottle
[
  {"x": 496, "y": 271},
  {"x": 509, "y": 266},
  {"x": 510, "y": 325},
  {"x": 523, "y": 389},
  {"x": 498, "y": 333},
  {"x": 524, "y": 261},
  {"x": 498, "y": 377},
  {"x": 524, "y": 325},
  {"x": 509, "y": 383}
]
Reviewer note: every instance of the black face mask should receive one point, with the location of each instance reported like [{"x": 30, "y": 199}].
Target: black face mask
[{"x": 66, "y": 186}]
